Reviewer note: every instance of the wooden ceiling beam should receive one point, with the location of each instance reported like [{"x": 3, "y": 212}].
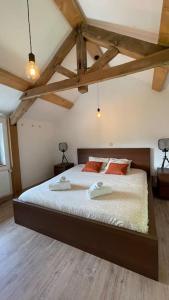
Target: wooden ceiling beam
[
  {"x": 94, "y": 50},
  {"x": 161, "y": 74},
  {"x": 13, "y": 81},
  {"x": 58, "y": 100},
  {"x": 64, "y": 71},
  {"x": 20, "y": 84},
  {"x": 125, "y": 30},
  {"x": 159, "y": 78},
  {"x": 104, "y": 59},
  {"x": 74, "y": 14},
  {"x": 81, "y": 54},
  {"x": 154, "y": 60},
  {"x": 126, "y": 45},
  {"x": 58, "y": 58}
]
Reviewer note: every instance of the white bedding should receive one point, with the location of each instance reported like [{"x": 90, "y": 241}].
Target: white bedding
[{"x": 126, "y": 207}]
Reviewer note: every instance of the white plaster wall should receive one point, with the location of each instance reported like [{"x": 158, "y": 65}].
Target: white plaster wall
[
  {"x": 133, "y": 115},
  {"x": 37, "y": 146}
]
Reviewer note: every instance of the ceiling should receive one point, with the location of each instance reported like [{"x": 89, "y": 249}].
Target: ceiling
[
  {"x": 49, "y": 29},
  {"x": 144, "y": 14}
]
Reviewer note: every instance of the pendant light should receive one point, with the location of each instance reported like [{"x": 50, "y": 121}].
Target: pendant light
[
  {"x": 98, "y": 102},
  {"x": 32, "y": 70}
]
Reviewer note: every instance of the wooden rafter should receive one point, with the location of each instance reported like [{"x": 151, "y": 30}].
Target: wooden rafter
[
  {"x": 104, "y": 59},
  {"x": 159, "y": 77},
  {"x": 56, "y": 99},
  {"x": 160, "y": 74},
  {"x": 46, "y": 74},
  {"x": 20, "y": 84},
  {"x": 13, "y": 81},
  {"x": 125, "y": 30},
  {"x": 126, "y": 45},
  {"x": 81, "y": 58},
  {"x": 154, "y": 60},
  {"x": 71, "y": 11},
  {"x": 64, "y": 71},
  {"x": 94, "y": 50},
  {"x": 74, "y": 14}
]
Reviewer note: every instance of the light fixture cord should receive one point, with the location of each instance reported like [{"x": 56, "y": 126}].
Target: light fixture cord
[
  {"x": 98, "y": 96},
  {"x": 30, "y": 38}
]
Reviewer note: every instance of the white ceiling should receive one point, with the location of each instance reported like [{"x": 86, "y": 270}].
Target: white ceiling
[
  {"x": 144, "y": 14},
  {"x": 49, "y": 29},
  {"x": 8, "y": 99}
]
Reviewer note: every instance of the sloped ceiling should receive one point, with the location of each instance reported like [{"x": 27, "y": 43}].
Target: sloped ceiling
[
  {"x": 49, "y": 29},
  {"x": 144, "y": 14}
]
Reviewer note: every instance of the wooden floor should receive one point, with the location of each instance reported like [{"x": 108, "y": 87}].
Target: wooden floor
[{"x": 36, "y": 267}]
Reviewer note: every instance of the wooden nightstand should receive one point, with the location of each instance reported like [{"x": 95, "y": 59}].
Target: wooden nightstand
[
  {"x": 59, "y": 168},
  {"x": 163, "y": 183}
]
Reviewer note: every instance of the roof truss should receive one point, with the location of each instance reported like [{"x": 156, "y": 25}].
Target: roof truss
[
  {"x": 87, "y": 37},
  {"x": 75, "y": 16},
  {"x": 148, "y": 62},
  {"x": 126, "y": 45},
  {"x": 20, "y": 84},
  {"x": 46, "y": 75}
]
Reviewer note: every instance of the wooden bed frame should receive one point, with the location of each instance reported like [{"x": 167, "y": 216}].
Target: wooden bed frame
[{"x": 130, "y": 249}]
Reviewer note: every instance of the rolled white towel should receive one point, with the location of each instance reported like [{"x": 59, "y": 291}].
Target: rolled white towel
[
  {"x": 60, "y": 185},
  {"x": 98, "y": 189},
  {"x": 97, "y": 185},
  {"x": 62, "y": 179}
]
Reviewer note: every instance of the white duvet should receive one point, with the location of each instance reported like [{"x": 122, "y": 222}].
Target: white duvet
[{"x": 126, "y": 207}]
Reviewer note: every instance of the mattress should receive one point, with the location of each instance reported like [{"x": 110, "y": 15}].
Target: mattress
[{"x": 126, "y": 207}]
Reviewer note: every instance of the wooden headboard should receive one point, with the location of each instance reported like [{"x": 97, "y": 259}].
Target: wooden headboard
[{"x": 140, "y": 156}]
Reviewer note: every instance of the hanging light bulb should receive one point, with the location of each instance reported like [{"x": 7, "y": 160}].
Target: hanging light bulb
[
  {"x": 32, "y": 70},
  {"x": 98, "y": 102},
  {"x": 98, "y": 113}
]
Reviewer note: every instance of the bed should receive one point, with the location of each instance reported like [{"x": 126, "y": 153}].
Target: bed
[{"x": 98, "y": 226}]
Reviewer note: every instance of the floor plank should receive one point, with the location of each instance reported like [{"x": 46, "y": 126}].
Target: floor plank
[{"x": 36, "y": 267}]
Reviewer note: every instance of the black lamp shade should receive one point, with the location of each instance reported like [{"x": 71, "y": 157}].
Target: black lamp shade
[
  {"x": 63, "y": 147},
  {"x": 163, "y": 144}
]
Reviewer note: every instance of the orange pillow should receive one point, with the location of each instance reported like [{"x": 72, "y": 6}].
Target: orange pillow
[
  {"x": 92, "y": 166},
  {"x": 117, "y": 169}
]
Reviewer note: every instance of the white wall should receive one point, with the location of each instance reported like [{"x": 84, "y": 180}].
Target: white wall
[
  {"x": 133, "y": 115},
  {"x": 37, "y": 146}
]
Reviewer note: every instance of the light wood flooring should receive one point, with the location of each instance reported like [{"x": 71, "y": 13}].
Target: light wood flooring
[{"x": 36, "y": 267}]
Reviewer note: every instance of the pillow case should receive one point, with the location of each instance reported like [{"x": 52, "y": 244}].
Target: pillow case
[
  {"x": 120, "y": 161},
  {"x": 92, "y": 166},
  {"x": 100, "y": 159},
  {"x": 117, "y": 169}
]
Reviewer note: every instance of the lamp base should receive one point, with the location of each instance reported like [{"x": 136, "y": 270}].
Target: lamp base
[
  {"x": 64, "y": 159},
  {"x": 164, "y": 159}
]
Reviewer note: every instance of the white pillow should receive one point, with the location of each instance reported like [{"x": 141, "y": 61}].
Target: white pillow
[
  {"x": 100, "y": 159},
  {"x": 120, "y": 161}
]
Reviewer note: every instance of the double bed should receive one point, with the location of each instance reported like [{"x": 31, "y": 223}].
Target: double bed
[{"x": 119, "y": 227}]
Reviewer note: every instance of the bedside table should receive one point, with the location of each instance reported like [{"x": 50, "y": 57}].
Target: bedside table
[
  {"x": 59, "y": 168},
  {"x": 163, "y": 183}
]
